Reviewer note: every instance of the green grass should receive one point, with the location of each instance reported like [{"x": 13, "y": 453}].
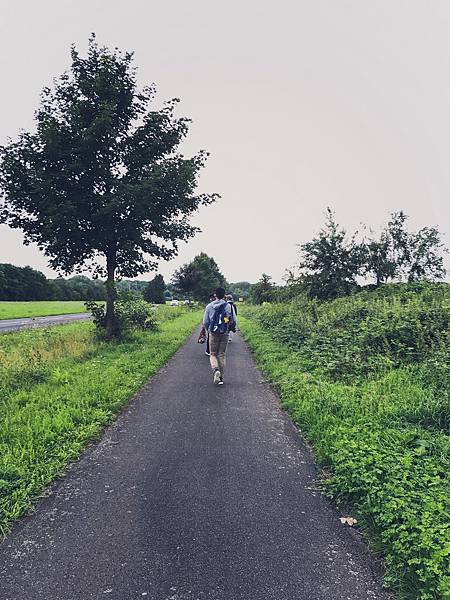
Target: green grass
[
  {"x": 18, "y": 310},
  {"x": 366, "y": 379},
  {"x": 58, "y": 387}
]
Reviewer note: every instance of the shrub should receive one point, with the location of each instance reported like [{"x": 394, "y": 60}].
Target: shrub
[{"x": 130, "y": 312}]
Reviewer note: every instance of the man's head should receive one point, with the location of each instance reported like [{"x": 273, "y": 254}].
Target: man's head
[{"x": 220, "y": 293}]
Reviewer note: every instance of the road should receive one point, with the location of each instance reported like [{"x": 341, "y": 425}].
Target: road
[
  {"x": 8, "y": 325},
  {"x": 196, "y": 492}
]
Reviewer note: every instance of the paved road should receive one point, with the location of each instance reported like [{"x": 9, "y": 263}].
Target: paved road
[
  {"x": 8, "y": 325},
  {"x": 195, "y": 493}
]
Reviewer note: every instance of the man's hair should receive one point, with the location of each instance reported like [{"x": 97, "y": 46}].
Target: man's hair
[{"x": 220, "y": 293}]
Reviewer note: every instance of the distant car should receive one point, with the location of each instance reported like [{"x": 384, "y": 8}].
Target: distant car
[
  {"x": 186, "y": 301},
  {"x": 174, "y": 303}
]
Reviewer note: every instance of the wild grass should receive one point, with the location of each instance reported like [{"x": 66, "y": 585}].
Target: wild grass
[
  {"x": 59, "y": 387},
  {"x": 366, "y": 379},
  {"x": 19, "y": 310}
]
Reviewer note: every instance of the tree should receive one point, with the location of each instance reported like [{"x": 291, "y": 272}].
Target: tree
[
  {"x": 263, "y": 291},
  {"x": 330, "y": 263},
  {"x": 198, "y": 278},
  {"x": 154, "y": 292},
  {"x": 426, "y": 261},
  {"x": 400, "y": 254},
  {"x": 100, "y": 179}
]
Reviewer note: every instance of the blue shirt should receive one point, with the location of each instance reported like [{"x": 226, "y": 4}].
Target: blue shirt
[{"x": 210, "y": 310}]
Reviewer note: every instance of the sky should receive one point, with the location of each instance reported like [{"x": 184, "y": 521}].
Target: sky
[{"x": 301, "y": 104}]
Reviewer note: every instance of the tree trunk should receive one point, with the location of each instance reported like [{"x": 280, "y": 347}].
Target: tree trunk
[{"x": 110, "y": 295}]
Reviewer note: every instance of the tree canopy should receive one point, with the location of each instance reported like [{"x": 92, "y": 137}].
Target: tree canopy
[
  {"x": 400, "y": 254},
  {"x": 154, "y": 292},
  {"x": 263, "y": 290},
  {"x": 199, "y": 278},
  {"x": 100, "y": 182},
  {"x": 331, "y": 262}
]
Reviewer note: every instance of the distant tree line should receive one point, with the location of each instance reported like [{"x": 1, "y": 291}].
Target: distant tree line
[{"x": 25, "y": 283}]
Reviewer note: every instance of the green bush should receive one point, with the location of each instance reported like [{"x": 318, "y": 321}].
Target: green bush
[
  {"x": 131, "y": 312},
  {"x": 367, "y": 333}
]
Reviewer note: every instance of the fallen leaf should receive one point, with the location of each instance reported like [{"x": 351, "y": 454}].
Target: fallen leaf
[{"x": 348, "y": 521}]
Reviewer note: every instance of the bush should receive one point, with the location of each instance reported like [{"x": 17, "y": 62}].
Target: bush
[
  {"x": 368, "y": 333},
  {"x": 131, "y": 312}
]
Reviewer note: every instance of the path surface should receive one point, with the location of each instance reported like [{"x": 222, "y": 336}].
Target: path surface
[
  {"x": 8, "y": 325},
  {"x": 195, "y": 493}
]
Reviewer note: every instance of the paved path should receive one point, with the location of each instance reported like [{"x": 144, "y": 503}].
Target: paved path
[
  {"x": 8, "y": 325},
  {"x": 195, "y": 493}
]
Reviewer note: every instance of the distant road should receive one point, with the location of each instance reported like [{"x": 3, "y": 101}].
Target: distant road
[{"x": 8, "y": 325}]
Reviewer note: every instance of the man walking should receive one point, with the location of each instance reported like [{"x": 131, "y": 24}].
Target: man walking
[{"x": 217, "y": 320}]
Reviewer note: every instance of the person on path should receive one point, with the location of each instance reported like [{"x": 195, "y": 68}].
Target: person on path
[
  {"x": 229, "y": 299},
  {"x": 212, "y": 297},
  {"x": 217, "y": 319}
]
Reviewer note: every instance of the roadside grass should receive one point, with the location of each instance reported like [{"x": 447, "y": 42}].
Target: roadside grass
[
  {"x": 59, "y": 387},
  {"x": 19, "y": 310},
  {"x": 382, "y": 434}
]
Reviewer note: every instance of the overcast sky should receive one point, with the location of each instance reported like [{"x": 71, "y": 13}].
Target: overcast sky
[{"x": 302, "y": 104}]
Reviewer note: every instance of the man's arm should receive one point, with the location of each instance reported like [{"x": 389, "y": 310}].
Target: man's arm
[{"x": 206, "y": 318}]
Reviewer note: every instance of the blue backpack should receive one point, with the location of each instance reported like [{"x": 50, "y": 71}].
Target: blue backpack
[{"x": 218, "y": 323}]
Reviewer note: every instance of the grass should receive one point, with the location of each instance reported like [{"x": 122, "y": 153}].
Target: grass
[
  {"x": 59, "y": 387},
  {"x": 366, "y": 379},
  {"x": 18, "y": 310}
]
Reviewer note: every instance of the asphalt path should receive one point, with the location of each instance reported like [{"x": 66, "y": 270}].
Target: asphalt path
[
  {"x": 196, "y": 492},
  {"x": 8, "y": 325}
]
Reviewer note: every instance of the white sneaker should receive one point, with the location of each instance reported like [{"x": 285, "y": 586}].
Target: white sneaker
[
  {"x": 220, "y": 382},
  {"x": 216, "y": 377}
]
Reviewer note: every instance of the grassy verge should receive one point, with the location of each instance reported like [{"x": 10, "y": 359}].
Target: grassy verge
[
  {"x": 59, "y": 387},
  {"x": 19, "y": 310},
  {"x": 384, "y": 440}
]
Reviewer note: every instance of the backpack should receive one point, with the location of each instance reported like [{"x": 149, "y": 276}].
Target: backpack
[
  {"x": 232, "y": 323},
  {"x": 220, "y": 322}
]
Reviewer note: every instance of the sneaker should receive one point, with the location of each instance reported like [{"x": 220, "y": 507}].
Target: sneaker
[
  {"x": 207, "y": 353},
  {"x": 220, "y": 382},
  {"x": 217, "y": 377}
]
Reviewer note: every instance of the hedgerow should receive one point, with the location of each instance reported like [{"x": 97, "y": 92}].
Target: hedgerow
[{"x": 366, "y": 378}]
